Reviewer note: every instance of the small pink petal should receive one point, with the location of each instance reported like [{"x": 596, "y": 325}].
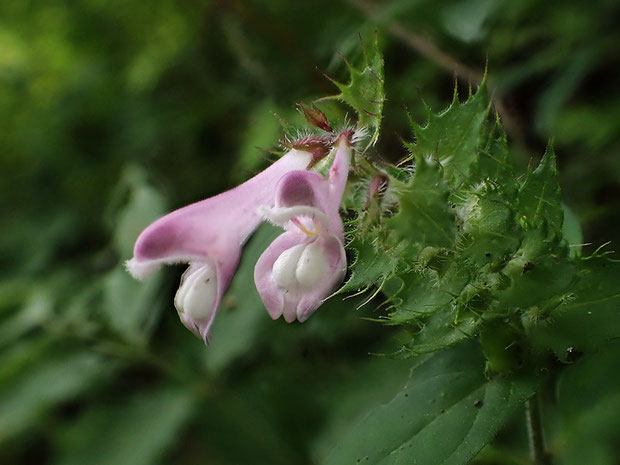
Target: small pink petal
[
  {"x": 339, "y": 171},
  {"x": 270, "y": 293}
]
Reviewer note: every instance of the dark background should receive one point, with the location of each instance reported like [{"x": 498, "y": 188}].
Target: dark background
[{"x": 114, "y": 112}]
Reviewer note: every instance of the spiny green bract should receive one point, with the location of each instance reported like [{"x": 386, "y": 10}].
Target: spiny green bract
[
  {"x": 471, "y": 249},
  {"x": 365, "y": 93}
]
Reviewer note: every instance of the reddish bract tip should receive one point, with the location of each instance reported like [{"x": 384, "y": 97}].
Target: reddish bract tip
[
  {"x": 317, "y": 146},
  {"x": 347, "y": 136},
  {"x": 315, "y": 117}
]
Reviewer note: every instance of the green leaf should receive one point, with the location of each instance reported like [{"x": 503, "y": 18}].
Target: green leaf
[
  {"x": 571, "y": 231},
  {"x": 366, "y": 384},
  {"x": 425, "y": 217},
  {"x": 365, "y": 93},
  {"x": 135, "y": 430},
  {"x": 589, "y": 316},
  {"x": 370, "y": 266},
  {"x": 454, "y": 136},
  {"x": 421, "y": 294},
  {"x": 488, "y": 231},
  {"x": 262, "y": 131},
  {"x": 247, "y": 426},
  {"x": 465, "y": 20},
  {"x": 439, "y": 302},
  {"x": 36, "y": 310},
  {"x": 444, "y": 415},
  {"x": 538, "y": 270},
  {"x": 588, "y": 397},
  {"x": 28, "y": 396},
  {"x": 131, "y": 307},
  {"x": 142, "y": 205},
  {"x": 441, "y": 330},
  {"x": 494, "y": 162},
  {"x": 539, "y": 198}
]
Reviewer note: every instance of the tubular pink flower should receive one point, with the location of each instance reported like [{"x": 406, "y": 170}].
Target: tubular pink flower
[
  {"x": 209, "y": 235},
  {"x": 297, "y": 272}
]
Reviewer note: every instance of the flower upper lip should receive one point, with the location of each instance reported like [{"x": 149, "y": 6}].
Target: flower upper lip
[{"x": 214, "y": 227}]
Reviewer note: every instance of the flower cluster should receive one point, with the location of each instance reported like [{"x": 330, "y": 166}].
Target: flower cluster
[{"x": 294, "y": 275}]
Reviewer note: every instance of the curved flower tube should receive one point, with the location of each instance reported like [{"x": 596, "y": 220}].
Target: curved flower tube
[
  {"x": 302, "y": 266},
  {"x": 209, "y": 235}
]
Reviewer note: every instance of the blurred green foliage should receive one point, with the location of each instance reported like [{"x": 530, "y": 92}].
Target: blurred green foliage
[{"x": 115, "y": 112}]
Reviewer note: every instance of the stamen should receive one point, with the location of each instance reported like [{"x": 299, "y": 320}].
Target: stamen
[{"x": 301, "y": 226}]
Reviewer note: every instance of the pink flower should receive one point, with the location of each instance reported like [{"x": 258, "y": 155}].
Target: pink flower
[
  {"x": 209, "y": 235},
  {"x": 297, "y": 272}
]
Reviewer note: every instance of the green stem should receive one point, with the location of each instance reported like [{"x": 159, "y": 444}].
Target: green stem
[{"x": 538, "y": 454}]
